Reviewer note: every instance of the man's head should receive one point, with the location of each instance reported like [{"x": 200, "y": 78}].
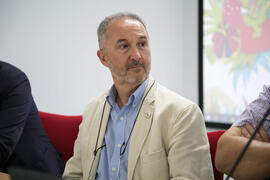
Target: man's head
[
  {"x": 124, "y": 48},
  {"x": 104, "y": 24}
]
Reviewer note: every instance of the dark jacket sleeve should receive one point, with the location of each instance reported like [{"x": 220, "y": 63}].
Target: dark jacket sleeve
[
  {"x": 15, "y": 104},
  {"x": 22, "y": 174}
]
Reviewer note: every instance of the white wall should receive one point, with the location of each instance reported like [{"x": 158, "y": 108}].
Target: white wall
[{"x": 54, "y": 42}]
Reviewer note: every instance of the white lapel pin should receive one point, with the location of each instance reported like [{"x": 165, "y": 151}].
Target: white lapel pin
[{"x": 147, "y": 115}]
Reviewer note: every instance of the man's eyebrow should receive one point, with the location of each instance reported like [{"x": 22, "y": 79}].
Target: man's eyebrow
[
  {"x": 121, "y": 40},
  {"x": 125, "y": 40},
  {"x": 143, "y": 37}
]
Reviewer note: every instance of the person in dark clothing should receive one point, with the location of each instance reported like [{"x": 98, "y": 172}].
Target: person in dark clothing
[{"x": 23, "y": 141}]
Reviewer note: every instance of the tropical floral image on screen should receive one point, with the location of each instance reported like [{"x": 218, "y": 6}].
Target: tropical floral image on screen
[{"x": 236, "y": 55}]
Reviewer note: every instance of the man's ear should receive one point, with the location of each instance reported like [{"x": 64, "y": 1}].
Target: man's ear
[{"x": 102, "y": 57}]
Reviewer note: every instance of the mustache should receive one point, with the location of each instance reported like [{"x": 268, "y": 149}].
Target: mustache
[{"x": 134, "y": 63}]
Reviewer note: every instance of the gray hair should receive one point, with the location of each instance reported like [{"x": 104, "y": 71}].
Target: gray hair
[{"x": 102, "y": 28}]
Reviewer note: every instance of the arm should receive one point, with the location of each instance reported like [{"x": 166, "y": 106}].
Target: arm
[
  {"x": 16, "y": 173},
  {"x": 15, "y": 104},
  {"x": 4, "y": 176},
  {"x": 189, "y": 154},
  {"x": 261, "y": 135},
  {"x": 255, "y": 164}
]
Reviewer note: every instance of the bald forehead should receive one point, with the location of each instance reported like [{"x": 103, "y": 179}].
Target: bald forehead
[
  {"x": 127, "y": 20},
  {"x": 124, "y": 22}
]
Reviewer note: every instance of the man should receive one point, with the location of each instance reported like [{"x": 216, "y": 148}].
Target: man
[
  {"x": 23, "y": 142},
  {"x": 255, "y": 164},
  {"x": 139, "y": 129}
]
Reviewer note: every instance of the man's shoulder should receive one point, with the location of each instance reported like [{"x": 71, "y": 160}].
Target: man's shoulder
[
  {"x": 10, "y": 76},
  {"x": 266, "y": 90},
  {"x": 177, "y": 108},
  {"x": 8, "y": 70}
]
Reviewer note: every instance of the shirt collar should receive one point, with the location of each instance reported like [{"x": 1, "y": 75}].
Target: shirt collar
[{"x": 135, "y": 98}]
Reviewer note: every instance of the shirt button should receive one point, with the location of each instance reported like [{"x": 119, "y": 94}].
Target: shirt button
[
  {"x": 113, "y": 169},
  {"x": 122, "y": 118},
  {"x": 119, "y": 145}
]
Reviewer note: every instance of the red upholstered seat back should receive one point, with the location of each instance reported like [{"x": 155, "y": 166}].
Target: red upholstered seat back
[
  {"x": 213, "y": 139},
  {"x": 62, "y": 131}
]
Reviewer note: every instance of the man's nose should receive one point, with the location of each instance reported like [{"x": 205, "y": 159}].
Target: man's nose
[{"x": 135, "y": 54}]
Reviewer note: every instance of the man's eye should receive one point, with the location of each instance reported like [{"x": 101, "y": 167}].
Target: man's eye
[
  {"x": 141, "y": 44},
  {"x": 123, "y": 46}
]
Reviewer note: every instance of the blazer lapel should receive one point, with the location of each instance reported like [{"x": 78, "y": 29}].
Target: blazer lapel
[
  {"x": 141, "y": 128},
  {"x": 92, "y": 140}
]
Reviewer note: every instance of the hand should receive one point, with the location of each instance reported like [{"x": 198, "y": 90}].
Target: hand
[
  {"x": 261, "y": 135},
  {"x": 4, "y": 176}
]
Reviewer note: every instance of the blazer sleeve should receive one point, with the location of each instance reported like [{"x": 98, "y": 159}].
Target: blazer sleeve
[
  {"x": 15, "y": 104},
  {"x": 189, "y": 155}
]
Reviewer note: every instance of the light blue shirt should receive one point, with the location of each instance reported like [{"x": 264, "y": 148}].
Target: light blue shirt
[{"x": 119, "y": 128}]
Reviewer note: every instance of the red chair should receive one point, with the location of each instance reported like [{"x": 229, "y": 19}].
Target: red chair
[
  {"x": 213, "y": 139},
  {"x": 62, "y": 132}
]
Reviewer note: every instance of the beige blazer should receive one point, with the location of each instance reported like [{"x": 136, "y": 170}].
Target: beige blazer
[{"x": 168, "y": 141}]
